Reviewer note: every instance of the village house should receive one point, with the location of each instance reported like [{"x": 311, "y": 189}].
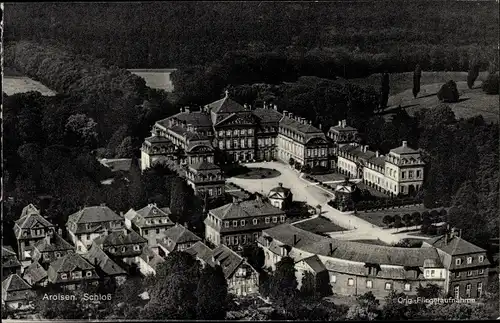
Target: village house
[
  {"x": 10, "y": 263},
  {"x": 466, "y": 265},
  {"x": 89, "y": 223},
  {"x": 206, "y": 179},
  {"x": 105, "y": 267},
  {"x": 342, "y": 134},
  {"x": 36, "y": 275},
  {"x": 148, "y": 261},
  {"x": 281, "y": 197},
  {"x": 123, "y": 246},
  {"x": 240, "y": 223},
  {"x": 177, "y": 238},
  {"x": 202, "y": 253},
  {"x": 353, "y": 268},
  {"x": 16, "y": 293},
  {"x": 70, "y": 271},
  {"x": 51, "y": 248},
  {"x": 30, "y": 229},
  {"x": 151, "y": 222}
]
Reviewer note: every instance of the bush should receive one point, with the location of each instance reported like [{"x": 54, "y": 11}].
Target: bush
[
  {"x": 490, "y": 85},
  {"x": 448, "y": 92}
]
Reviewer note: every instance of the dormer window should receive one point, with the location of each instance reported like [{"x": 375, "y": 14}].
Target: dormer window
[
  {"x": 283, "y": 251},
  {"x": 481, "y": 258},
  {"x": 137, "y": 248},
  {"x": 243, "y": 222},
  {"x": 76, "y": 274},
  {"x": 267, "y": 220},
  {"x": 88, "y": 274},
  {"x": 235, "y": 224},
  {"x": 282, "y": 218},
  {"x": 255, "y": 221},
  {"x": 64, "y": 276},
  {"x": 123, "y": 249},
  {"x": 58, "y": 255},
  {"x": 469, "y": 260},
  {"x": 458, "y": 261},
  {"x": 113, "y": 249}
]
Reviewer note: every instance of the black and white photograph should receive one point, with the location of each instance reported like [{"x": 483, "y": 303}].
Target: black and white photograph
[{"x": 250, "y": 160}]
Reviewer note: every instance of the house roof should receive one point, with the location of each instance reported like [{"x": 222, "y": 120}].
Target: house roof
[
  {"x": 196, "y": 118},
  {"x": 227, "y": 259},
  {"x": 8, "y": 251},
  {"x": 29, "y": 221},
  {"x": 35, "y": 273},
  {"x": 69, "y": 262},
  {"x": 158, "y": 139},
  {"x": 201, "y": 251},
  {"x": 14, "y": 283},
  {"x": 306, "y": 130},
  {"x": 91, "y": 215},
  {"x": 455, "y": 246},
  {"x": 55, "y": 243},
  {"x": 153, "y": 211},
  {"x": 315, "y": 263},
  {"x": 9, "y": 258},
  {"x": 350, "y": 250},
  {"x": 183, "y": 132},
  {"x": 29, "y": 209},
  {"x": 281, "y": 189},
  {"x": 120, "y": 237},
  {"x": 403, "y": 149},
  {"x": 179, "y": 234},
  {"x": 99, "y": 258},
  {"x": 245, "y": 209},
  {"x": 341, "y": 129},
  {"x": 204, "y": 165},
  {"x": 268, "y": 115},
  {"x": 151, "y": 258},
  {"x": 225, "y": 105}
]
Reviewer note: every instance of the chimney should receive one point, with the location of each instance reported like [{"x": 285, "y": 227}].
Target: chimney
[
  {"x": 48, "y": 239},
  {"x": 365, "y": 148},
  {"x": 226, "y": 92},
  {"x": 275, "y": 107},
  {"x": 245, "y": 106},
  {"x": 331, "y": 248},
  {"x": 187, "y": 109},
  {"x": 103, "y": 204},
  {"x": 340, "y": 123},
  {"x": 59, "y": 231},
  {"x": 405, "y": 143},
  {"x": 285, "y": 113},
  {"x": 377, "y": 154},
  {"x": 105, "y": 232},
  {"x": 280, "y": 184},
  {"x": 125, "y": 232},
  {"x": 320, "y": 127},
  {"x": 344, "y": 123},
  {"x": 309, "y": 122},
  {"x": 295, "y": 239},
  {"x": 460, "y": 233}
]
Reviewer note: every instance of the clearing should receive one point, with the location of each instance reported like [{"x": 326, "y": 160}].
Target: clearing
[
  {"x": 156, "y": 78},
  {"x": 15, "y": 82}
]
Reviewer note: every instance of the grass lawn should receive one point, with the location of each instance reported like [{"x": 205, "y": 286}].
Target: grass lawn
[
  {"x": 328, "y": 177},
  {"x": 375, "y": 217},
  {"x": 319, "y": 225},
  {"x": 156, "y": 78},
  {"x": 372, "y": 241},
  {"x": 258, "y": 173},
  {"x": 372, "y": 190},
  {"x": 23, "y": 84}
]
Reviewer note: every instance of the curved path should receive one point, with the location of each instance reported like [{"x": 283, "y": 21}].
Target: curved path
[{"x": 302, "y": 190}]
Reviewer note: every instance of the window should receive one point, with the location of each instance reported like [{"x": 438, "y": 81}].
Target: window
[
  {"x": 46, "y": 256},
  {"x": 410, "y": 174},
  {"x": 221, "y": 133},
  {"x": 469, "y": 260},
  {"x": 228, "y": 241},
  {"x": 469, "y": 273},
  {"x": 369, "y": 284},
  {"x": 88, "y": 274},
  {"x": 242, "y": 222},
  {"x": 457, "y": 274},
  {"x": 418, "y": 174},
  {"x": 333, "y": 278},
  {"x": 236, "y": 240},
  {"x": 467, "y": 290},
  {"x": 407, "y": 287},
  {"x": 479, "y": 289},
  {"x": 275, "y": 219},
  {"x": 426, "y": 273},
  {"x": 267, "y": 220},
  {"x": 58, "y": 255},
  {"x": 123, "y": 249},
  {"x": 481, "y": 258},
  {"x": 64, "y": 276},
  {"x": 432, "y": 272},
  {"x": 282, "y": 218},
  {"x": 137, "y": 248},
  {"x": 250, "y": 131},
  {"x": 255, "y": 221},
  {"x": 210, "y": 192},
  {"x": 88, "y": 236},
  {"x": 481, "y": 271},
  {"x": 226, "y": 224},
  {"x": 388, "y": 286},
  {"x": 457, "y": 291},
  {"x": 403, "y": 175},
  {"x": 235, "y": 224},
  {"x": 458, "y": 261},
  {"x": 76, "y": 274},
  {"x": 221, "y": 145},
  {"x": 350, "y": 282},
  {"x": 146, "y": 232}
]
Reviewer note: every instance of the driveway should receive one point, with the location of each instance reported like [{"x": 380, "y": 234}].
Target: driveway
[{"x": 303, "y": 190}]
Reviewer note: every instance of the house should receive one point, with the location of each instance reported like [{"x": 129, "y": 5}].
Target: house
[
  {"x": 342, "y": 134},
  {"x": 353, "y": 268},
  {"x": 16, "y": 293},
  {"x": 105, "y": 267},
  {"x": 281, "y": 197},
  {"x": 51, "y": 248},
  {"x": 176, "y": 238},
  {"x": 124, "y": 246},
  {"x": 36, "y": 275},
  {"x": 242, "y": 279},
  {"x": 240, "y": 223},
  {"x": 314, "y": 266},
  {"x": 10, "y": 263},
  {"x": 70, "y": 271},
  {"x": 466, "y": 265},
  {"x": 30, "y": 229},
  {"x": 89, "y": 223},
  {"x": 148, "y": 261},
  {"x": 151, "y": 222},
  {"x": 206, "y": 179},
  {"x": 202, "y": 253}
]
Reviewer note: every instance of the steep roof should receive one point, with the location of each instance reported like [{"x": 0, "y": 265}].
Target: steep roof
[
  {"x": 281, "y": 189},
  {"x": 404, "y": 149},
  {"x": 268, "y": 115},
  {"x": 29, "y": 221},
  {"x": 14, "y": 283},
  {"x": 201, "y": 251},
  {"x": 349, "y": 250},
  {"x": 308, "y": 131},
  {"x": 93, "y": 214},
  {"x": 455, "y": 246},
  {"x": 120, "y": 237},
  {"x": 225, "y": 105},
  {"x": 153, "y": 211},
  {"x": 56, "y": 243},
  {"x": 70, "y": 262},
  {"x": 34, "y": 273},
  {"x": 29, "y": 209},
  {"x": 151, "y": 258},
  {"x": 158, "y": 139},
  {"x": 180, "y": 234},
  {"x": 8, "y": 251},
  {"x": 342, "y": 128},
  {"x": 204, "y": 165},
  {"x": 196, "y": 118},
  {"x": 315, "y": 263},
  {"x": 99, "y": 258},
  {"x": 244, "y": 209},
  {"x": 227, "y": 259}
]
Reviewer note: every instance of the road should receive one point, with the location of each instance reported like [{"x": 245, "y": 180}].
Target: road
[{"x": 302, "y": 190}]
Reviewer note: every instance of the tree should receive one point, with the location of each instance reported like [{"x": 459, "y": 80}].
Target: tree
[
  {"x": 429, "y": 291},
  {"x": 397, "y": 221},
  {"x": 283, "y": 285},
  {"x": 472, "y": 74},
  {"x": 81, "y": 130},
  {"x": 394, "y": 309},
  {"x": 384, "y": 91},
  {"x": 490, "y": 85},
  {"x": 254, "y": 255},
  {"x": 365, "y": 309},
  {"x": 211, "y": 294},
  {"x": 179, "y": 199},
  {"x": 125, "y": 149},
  {"x": 291, "y": 161},
  {"x": 417, "y": 74},
  {"x": 388, "y": 220},
  {"x": 448, "y": 92}
]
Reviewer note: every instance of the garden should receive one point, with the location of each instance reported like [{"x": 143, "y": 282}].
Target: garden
[{"x": 407, "y": 217}]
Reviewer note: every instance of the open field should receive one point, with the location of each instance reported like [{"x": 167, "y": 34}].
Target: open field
[
  {"x": 319, "y": 225},
  {"x": 375, "y": 217},
  {"x": 15, "y": 82},
  {"x": 156, "y": 78}
]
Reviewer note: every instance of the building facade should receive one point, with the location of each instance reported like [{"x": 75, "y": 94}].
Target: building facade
[
  {"x": 151, "y": 222},
  {"x": 51, "y": 248},
  {"x": 70, "y": 271},
  {"x": 240, "y": 223},
  {"x": 281, "y": 197},
  {"x": 15, "y": 292},
  {"x": 177, "y": 238}
]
